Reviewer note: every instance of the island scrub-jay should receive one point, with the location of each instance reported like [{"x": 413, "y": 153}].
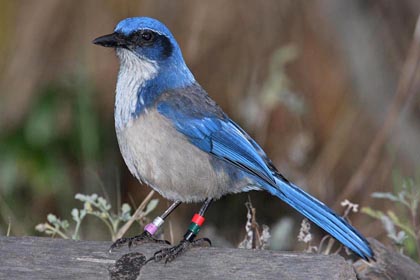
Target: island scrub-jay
[{"x": 177, "y": 140}]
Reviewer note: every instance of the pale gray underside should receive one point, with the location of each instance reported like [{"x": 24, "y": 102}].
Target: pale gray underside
[{"x": 163, "y": 158}]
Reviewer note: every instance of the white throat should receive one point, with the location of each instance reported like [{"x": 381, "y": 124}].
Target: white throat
[{"x": 133, "y": 74}]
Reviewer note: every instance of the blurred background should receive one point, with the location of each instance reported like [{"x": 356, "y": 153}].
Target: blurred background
[{"x": 328, "y": 88}]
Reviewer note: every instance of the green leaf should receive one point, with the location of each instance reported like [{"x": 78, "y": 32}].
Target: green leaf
[
  {"x": 82, "y": 213},
  {"x": 75, "y": 214},
  {"x": 402, "y": 225},
  {"x": 41, "y": 227},
  {"x": 373, "y": 213},
  {"x": 125, "y": 208},
  {"x": 80, "y": 197},
  {"x": 52, "y": 218},
  {"x": 64, "y": 224},
  {"x": 151, "y": 206},
  {"x": 385, "y": 195}
]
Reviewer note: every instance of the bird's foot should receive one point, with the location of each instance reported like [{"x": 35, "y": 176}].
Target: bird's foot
[
  {"x": 170, "y": 254},
  {"x": 145, "y": 237}
]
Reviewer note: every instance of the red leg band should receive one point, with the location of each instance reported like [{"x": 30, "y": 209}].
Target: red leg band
[{"x": 199, "y": 220}]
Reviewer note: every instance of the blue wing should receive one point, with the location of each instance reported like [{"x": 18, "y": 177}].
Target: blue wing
[{"x": 205, "y": 125}]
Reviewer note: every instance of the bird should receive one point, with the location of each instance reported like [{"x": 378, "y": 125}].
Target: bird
[{"x": 174, "y": 138}]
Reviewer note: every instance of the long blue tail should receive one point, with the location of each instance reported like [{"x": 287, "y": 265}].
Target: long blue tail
[{"x": 323, "y": 216}]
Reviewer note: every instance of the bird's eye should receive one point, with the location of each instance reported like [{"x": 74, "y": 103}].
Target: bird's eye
[{"x": 147, "y": 36}]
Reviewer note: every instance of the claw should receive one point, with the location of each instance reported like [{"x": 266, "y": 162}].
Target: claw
[
  {"x": 119, "y": 243},
  {"x": 145, "y": 237},
  {"x": 170, "y": 254},
  {"x": 200, "y": 242}
]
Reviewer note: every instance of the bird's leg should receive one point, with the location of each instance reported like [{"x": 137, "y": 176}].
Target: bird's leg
[
  {"x": 170, "y": 254},
  {"x": 149, "y": 231}
]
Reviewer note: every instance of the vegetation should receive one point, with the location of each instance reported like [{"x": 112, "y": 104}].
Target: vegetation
[
  {"x": 322, "y": 95},
  {"x": 98, "y": 207},
  {"x": 402, "y": 221}
]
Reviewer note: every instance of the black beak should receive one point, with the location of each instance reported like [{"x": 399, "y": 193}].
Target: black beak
[{"x": 113, "y": 40}]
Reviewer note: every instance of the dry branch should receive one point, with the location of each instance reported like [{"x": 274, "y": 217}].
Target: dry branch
[
  {"x": 47, "y": 258},
  {"x": 389, "y": 265}
]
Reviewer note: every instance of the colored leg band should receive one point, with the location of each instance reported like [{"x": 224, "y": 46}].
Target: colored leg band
[
  {"x": 195, "y": 226},
  {"x": 153, "y": 227},
  {"x": 198, "y": 219}
]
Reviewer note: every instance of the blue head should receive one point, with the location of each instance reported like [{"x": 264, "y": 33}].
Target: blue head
[
  {"x": 151, "y": 63},
  {"x": 149, "y": 39}
]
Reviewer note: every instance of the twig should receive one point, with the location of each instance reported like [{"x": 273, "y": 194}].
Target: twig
[
  {"x": 416, "y": 229},
  {"x": 406, "y": 88},
  {"x": 171, "y": 229},
  {"x": 9, "y": 227},
  {"x": 128, "y": 224},
  {"x": 8, "y": 215}
]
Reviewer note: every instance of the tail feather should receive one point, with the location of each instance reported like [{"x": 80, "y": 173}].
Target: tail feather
[{"x": 323, "y": 216}]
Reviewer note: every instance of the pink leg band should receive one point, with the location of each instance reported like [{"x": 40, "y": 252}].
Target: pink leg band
[{"x": 151, "y": 228}]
